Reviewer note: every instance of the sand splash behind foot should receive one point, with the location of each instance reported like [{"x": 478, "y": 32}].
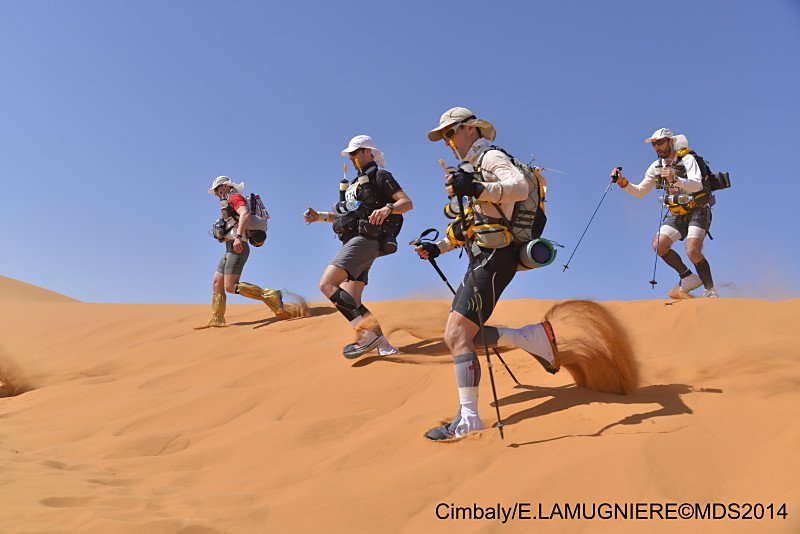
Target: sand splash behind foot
[{"x": 594, "y": 347}]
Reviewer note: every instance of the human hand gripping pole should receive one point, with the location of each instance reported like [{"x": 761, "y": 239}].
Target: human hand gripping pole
[
  {"x": 614, "y": 179},
  {"x": 423, "y": 240}
]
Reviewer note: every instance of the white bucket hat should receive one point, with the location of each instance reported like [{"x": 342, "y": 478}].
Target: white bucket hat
[
  {"x": 462, "y": 116},
  {"x": 661, "y": 133},
  {"x": 364, "y": 141},
  {"x": 224, "y": 180}
]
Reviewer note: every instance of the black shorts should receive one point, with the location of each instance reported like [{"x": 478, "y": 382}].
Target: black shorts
[
  {"x": 699, "y": 217},
  {"x": 493, "y": 272}
]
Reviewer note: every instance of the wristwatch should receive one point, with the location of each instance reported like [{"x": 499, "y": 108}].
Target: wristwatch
[
  {"x": 238, "y": 236},
  {"x": 390, "y": 206}
]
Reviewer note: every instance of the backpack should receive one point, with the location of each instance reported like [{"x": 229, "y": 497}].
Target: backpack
[
  {"x": 528, "y": 218},
  {"x": 711, "y": 181},
  {"x": 257, "y": 229},
  {"x": 257, "y": 226}
]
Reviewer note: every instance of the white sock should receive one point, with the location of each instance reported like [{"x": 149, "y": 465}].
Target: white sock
[
  {"x": 470, "y": 420},
  {"x": 508, "y": 336},
  {"x": 387, "y": 349},
  {"x": 365, "y": 337},
  {"x": 531, "y": 338},
  {"x": 355, "y": 322}
]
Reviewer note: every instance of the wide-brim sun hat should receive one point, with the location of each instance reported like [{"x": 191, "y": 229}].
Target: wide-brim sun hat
[
  {"x": 224, "y": 180},
  {"x": 462, "y": 116},
  {"x": 364, "y": 141},
  {"x": 661, "y": 133}
]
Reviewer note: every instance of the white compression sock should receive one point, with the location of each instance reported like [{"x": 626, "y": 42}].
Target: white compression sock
[
  {"x": 470, "y": 420},
  {"x": 531, "y": 338}
]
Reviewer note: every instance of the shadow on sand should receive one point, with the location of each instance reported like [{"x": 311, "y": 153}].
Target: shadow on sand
[
  {"x": 667, "y": 396},
  {"x": 410, "y": 354},
  {"x": 312, "y": 312}
]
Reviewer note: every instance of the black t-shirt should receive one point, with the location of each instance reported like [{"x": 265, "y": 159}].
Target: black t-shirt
[{"x": 385, "y": 184}]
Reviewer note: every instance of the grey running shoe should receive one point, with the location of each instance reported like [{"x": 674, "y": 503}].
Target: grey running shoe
[
  {"x": 445, "y": 432},
  {"x": 710, "y": 293},
  {"x": 354, "y": 350}
]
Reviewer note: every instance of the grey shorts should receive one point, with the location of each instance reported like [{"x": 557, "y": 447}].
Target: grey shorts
[
  {"x": 231, "y": 262},
  {"x": 699, "y": 218},
  {"x": 356, "y": 257}
]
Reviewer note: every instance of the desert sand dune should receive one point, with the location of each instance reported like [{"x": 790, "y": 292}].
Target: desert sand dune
[
  {"x": 131, "y": 421},
  {"x": 15, "y": 291}
]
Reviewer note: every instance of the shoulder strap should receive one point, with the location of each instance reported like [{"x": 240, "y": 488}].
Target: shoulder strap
[
  {"x": 370, "y": 173},
  {"x": 705, "y": 171},
  {"x": 514, "y": 212},
  {"x": 479, "y": 167}
]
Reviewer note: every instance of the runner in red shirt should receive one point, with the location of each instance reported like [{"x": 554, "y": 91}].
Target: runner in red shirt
[{"x": 236, "y": 216}]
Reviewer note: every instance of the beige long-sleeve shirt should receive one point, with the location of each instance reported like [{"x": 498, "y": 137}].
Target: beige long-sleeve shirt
[{"x": 504, "y": 184}]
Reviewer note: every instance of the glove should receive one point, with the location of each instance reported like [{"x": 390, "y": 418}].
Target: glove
[
  {"x": 464, "y": 184},
  {"x": 431, "y": 249}
]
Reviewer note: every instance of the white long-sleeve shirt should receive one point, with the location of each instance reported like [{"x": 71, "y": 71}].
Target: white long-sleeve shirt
[
  {"x": 504, "y": 184},
  {"x": 691, "y": 184}
]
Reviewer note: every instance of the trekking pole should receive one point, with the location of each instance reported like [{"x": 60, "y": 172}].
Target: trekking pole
[
  {"x": 475, "y": 296},
  {"x": 613, "y": 181},
  {"x": 658, "y": 242},
  {"x": 416, "y": 243}
]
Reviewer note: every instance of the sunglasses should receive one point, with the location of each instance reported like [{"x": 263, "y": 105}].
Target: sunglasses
[
  {"x": 660, "y": 142},
  {"x": 449, "y": 134}
]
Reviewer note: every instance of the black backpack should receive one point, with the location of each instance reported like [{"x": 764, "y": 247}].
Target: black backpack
[{"x": 711, "y": 181}]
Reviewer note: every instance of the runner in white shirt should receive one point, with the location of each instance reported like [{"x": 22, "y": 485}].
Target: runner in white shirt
[{"x": 682, "y": 183}]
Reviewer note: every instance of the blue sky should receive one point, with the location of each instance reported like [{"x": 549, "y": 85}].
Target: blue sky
[{"x": 115, "y": 117}]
